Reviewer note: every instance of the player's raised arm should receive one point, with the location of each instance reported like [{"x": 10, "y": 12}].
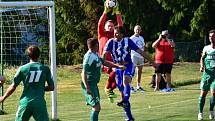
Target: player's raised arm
[
  {"x": 156, "y": 42},
  {"x": 101, "y": 22}
]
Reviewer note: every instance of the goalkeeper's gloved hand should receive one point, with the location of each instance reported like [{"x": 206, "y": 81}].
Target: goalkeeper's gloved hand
[
  {"x": 106, "y": 9},
  {"x": 116, "y": 9}
]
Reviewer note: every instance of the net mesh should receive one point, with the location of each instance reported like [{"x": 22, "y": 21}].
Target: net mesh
[{"x": 21, "y": 27}]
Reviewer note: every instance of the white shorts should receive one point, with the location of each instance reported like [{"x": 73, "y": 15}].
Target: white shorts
[{"x": 137, "y": 61}]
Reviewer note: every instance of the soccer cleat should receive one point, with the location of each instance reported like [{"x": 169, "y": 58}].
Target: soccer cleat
[
  {"x": 133, "y": 90},
  {"x": 122, "y": 104},
  {"x": 110, "y": 93},
  {"x": 200, "y": 116},
  {"x": 140, "y": 89},
  {"x": 211, "y": 116},
  {"x": 111, "y": 99}
]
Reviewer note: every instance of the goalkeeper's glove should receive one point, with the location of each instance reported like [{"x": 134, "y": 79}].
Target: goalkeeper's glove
[
  {"x": 116, "y": 9},
  {"x": 106, "y": 9}
]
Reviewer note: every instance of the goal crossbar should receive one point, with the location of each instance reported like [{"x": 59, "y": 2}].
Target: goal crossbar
[{"x": 26, "y": 3}]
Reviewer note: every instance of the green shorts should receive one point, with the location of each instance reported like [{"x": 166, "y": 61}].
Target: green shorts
[
  {"x": 207, "y": 82},
  {"x": 37, "y": 109},
  {"x": 93, "y": 99}
]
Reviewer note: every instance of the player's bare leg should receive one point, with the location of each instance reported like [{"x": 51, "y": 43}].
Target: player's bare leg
[{"x": 157, "y": 82}]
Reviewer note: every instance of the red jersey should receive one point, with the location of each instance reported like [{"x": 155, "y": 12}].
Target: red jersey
[
  {"x": 104, "y": 36},
  {"x": 164, "y": 53}
]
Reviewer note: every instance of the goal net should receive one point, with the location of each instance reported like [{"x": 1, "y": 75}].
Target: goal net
[{"x": 23, "y": 24}]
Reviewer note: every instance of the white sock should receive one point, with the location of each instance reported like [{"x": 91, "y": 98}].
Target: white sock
[{"x": 138, "y": 85}]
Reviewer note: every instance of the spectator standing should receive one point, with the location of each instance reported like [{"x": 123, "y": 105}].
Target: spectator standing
[
  {"x": 164, "y": 48},
  {"x": 137, "y": 59}
]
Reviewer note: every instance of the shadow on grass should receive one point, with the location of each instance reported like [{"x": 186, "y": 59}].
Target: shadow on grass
[
  {"x": 2, "y": 112},
  {"x": 185, "y": 83}
]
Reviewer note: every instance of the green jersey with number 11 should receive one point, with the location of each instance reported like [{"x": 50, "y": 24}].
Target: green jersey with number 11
[{"x": 34, "y": 76}]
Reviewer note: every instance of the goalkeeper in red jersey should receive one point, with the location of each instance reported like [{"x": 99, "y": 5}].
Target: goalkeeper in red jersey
[{"x": 106, "y": 32}]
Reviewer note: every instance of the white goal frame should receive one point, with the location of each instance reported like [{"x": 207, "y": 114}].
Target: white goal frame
[{"x": 50, "y": 5}]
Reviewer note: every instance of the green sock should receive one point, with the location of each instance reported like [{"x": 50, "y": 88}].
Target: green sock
[
  {"x": 94, "y": 115},
  {"x": 201, "y": 104}
]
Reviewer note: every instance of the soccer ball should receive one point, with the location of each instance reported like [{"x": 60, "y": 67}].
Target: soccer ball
[{"x": 110, "y": 3}]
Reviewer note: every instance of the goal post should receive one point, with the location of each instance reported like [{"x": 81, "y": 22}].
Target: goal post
[{"x": 10, "y": 8}]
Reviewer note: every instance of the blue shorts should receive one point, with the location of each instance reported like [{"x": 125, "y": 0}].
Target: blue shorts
[{"x": 129, "y": 71}]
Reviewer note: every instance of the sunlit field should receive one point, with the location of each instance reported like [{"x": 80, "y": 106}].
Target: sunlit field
[{"x": 180, "y": 105}]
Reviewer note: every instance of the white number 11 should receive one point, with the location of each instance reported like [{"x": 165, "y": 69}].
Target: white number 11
[{"x": 36, "y": 79}]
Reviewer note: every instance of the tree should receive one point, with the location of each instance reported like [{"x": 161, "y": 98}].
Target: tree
[
  {"x": 71, "y": 32},
  {"x": 77, "y": 20},
  {"x": 189, "y": 19}
]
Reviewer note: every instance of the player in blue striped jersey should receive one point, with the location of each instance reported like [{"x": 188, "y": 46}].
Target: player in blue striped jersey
[{"x": 120, "y": 48}]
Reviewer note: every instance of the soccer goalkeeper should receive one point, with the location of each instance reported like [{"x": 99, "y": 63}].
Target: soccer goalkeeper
[{"x": 105, "y": 32}]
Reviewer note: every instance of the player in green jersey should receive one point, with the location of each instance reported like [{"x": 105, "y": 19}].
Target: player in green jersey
[
  {"x": 207, "y": 63},
  {"x": 91, "y": 75},
  {"x": 34, "y": 76}
]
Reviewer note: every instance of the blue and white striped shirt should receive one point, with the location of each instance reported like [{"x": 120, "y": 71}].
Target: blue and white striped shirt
[{"x": 120, "y": 50}]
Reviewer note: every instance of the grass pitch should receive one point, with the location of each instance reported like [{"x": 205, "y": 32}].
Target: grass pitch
[{"x": 180, "y": 105}]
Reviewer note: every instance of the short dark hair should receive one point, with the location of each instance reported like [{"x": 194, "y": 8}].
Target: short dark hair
[
  {"x": 212, "y": 31},
  {"x": 92, "y": 42},
  {"x": 121, "y": 29},
  {"x": 33, "y": 52}
]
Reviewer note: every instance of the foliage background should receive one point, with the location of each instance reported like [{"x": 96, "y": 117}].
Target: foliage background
[{"x": 187, "y": 21}]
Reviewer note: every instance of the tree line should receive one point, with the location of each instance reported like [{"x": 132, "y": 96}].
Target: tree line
[
  {"x": 76, "y": 20},
  {"x": 186, "y": 20}
]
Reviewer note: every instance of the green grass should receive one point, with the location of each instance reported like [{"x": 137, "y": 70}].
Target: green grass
[{"x": 151, "y": 106}]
